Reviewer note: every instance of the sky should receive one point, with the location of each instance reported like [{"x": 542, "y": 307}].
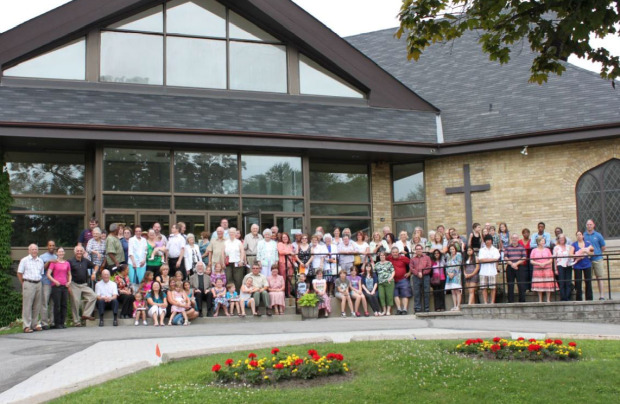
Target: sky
[{"x": 345, "y": 17}]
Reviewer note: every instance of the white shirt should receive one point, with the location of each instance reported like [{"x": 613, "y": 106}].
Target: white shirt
[
  {"x": 361, "y": 248},
  {"x": 191, "y": 256},
  {"x": 175, "y": 243},
  {"x": 317, "y": 255},
  {"x": 331, "y": 266},
  {"x": 233, "y": 250},
  {"x": 137, "y": 250},
  {"x": 106, "y": 289},
  {"x": 488, "y": 268},
  {"x": 401, "y": 246},
  {"x": 31, "y": 268}
]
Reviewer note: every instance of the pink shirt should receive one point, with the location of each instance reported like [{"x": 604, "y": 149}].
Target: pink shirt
[{"x": 60, "y": 271}]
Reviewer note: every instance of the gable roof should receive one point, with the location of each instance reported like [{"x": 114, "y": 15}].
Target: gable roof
[
  {"x": 283, "y": 18},
  {"x": 483, "y": 100}
]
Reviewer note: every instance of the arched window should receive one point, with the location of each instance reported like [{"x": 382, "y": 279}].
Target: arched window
[{"x": 598, "y": 198}]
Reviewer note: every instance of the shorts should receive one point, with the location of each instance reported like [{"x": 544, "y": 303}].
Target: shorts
[
  {"x": 156, "y": 310},
  {"x": 339, "y": 295},
  {"x": 598, "y": 268},
  {"x": 402, "y": 288},
  {"x": 487, "y": 282}
]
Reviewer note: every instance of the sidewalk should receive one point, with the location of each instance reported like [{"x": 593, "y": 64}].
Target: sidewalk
[{"x": 78, "y": 358}]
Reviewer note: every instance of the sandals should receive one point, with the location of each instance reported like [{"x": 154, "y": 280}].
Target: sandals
[
  {"x": 28, "y": 330},
  {"x": 38, "y": 328},
  {"x": 77, "y": 325}
]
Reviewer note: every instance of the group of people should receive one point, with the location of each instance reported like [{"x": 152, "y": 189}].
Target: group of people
[{"x": 140, "y": 274}]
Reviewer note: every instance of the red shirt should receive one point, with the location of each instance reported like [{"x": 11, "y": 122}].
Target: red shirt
[
  {"x": 401, "y": 266},
  {"x": 421, "y": 264},
  {"x": 528, "y": 249}
]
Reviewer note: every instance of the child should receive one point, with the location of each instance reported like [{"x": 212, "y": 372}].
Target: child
[
  {"x": 356, "y": 292},
  {"x": 190, "y": 294},
  {"x": 218, "y": 273},
  {"x": 219, "y": 296},
  {"x": 246, "y": 299},
  {"x": 302, "y": 286},
  {"x": 343, "y": 290},
  {"x": 233, "y": 299},
  {"x": 180, "y": 302},
  {"x": 319, "y": 285},
  {"x": 178, "y": 276},
  {"x": 139, "y": 309},
  {"x": 147, "y": 283}
]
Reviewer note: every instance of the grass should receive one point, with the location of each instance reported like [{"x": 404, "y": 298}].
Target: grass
[
  {"x": 13, "y": 328},
  {"x": 387, "y": 372}
]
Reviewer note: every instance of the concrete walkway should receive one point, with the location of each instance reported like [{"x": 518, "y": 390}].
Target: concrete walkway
[{"x": 41, "y": 366}]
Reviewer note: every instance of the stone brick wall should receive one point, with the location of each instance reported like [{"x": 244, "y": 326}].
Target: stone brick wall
[{"x": 381, "y": 186}]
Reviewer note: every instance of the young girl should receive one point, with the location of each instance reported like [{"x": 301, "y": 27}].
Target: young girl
[
  {"x": 180, "y": 300},
  {"x": 178, "y": 276},
  {"x": 438, "y": 280},
  {"x": 475, "y": 237},
  {"x": 187, "y": 287},
  {"x": 320, "y": 288},
  {"x": 453, "y": 280},
  {"x": 245, "y": 299},
  {"x": 218, "y": 273},
  {"x": 219, "y": 295},
  {"x": 164, "y": 276},
  {"x": 139, "y": 309},
  {"x": 233, "y": 299},
  {"x": 356, "y": 292},
  {"x": 471, "y": 269},
  {"x": 343, "y": 293},
  {"x": 147, "y": 283}
]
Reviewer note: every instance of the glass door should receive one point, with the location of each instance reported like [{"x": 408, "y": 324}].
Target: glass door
[
  {"x": 195, "y": 224},
  {"x": 124, "y": 218},
  {"x": 148, "y": 219},
  {"x": 290, "y": 223},
  {"x": 216, "y": 218},
  {"x": 250, "y": 218}
]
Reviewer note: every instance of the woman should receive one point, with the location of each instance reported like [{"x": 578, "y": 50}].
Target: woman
[
  {"x": 526, "y": 243},
  {"x": 330, "y": 263},
  {"x": 403, "y": 244},
  {"x": 582, "y": 266},
  {"x": 267, "y": 252},
  {"x": 337, "y": 239},
  {"x": 454, "y": 259},
  {"x": 357, "y": 294},
  {"x": 286, "y": 261},
  {"x": 319, "y": 285},
  {"x": 475, "y": 237},
  {"x": 377, "y": 245},
  {"x": 158, "y": 303},
  {"x": 471, "y": 270},
  {"x": 561, "y": 253},
  {"x": 542, "y": 278},
  {"x": 137, "y": 256},
  {"x": 370, "y": 286},
  {"x": 389, "y": 242},
  {"x": 154, "y": 253},
  {"x": 95, "y": 248},
  {"x": 438, "y": 280},
  {"x": 318, "y": 257},
  {"x": 437, "y": 243},
  {"x": 235, "y": 258},
  {"x": 362, "y": 248},
  {"x": 456, "y": 240},
  {"x": 416, "y": 240},
  {"x": 125, "y": 292},
  {"x": 504, "y": 235},
  {"x": 346, "y": 252},
  {"x": 205, "y": 238},
  {"x": 59, "y": 273},
  {"x": 304, "y": 254},
  {"x": 191, "y": 255},
  {"x": 385, "y": 276},
  {"x": 276, "y": 291},
  {"x": 164, "y": 277},
  {"x": 124, "y": 234}
]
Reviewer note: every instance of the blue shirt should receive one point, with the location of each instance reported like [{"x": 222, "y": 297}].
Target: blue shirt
[
  {"x": 584, "y": 263},
  {"x": 597, "y": 241},
  {"x": 534, "y": 240},
  {"x": 45, "y": 258}
]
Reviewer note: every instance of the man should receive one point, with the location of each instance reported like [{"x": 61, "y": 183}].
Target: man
[
  {"x": 217, "y": 249},
  {"x": 516, "y": 268},
  {"x": 224, "y": 226},
  {"x": 157, "y": 230},
  {"x": 29, "y": 273},
  {"x": 115, "y": 255},
  {"x": 541, "y": 233},
  {"x": 250, "y": 241},
  {"x": 80, "y": 267},
  {"x": 107, "y": 296},
  {"x": 47, "y": 305},
  {"x": 598, "y": 242},
  {"x": 261, "y": 287},
  {"x": 274, "y": 233},
  {"x": 87, "y": 234},
  {"x": 421, "y": 268},
  {"x": 346, "y": 250},
  {"x": 386, "y": 231},
  {"x": 182, "y": 228},
  {"x": 201, "y": 283},
  {"x": 137, "y": 256},
  {"x": 557, "y": 232},
  {"x": 488, "y": 257},
  {"x": 176, "y": 251},
  {"x": 402, "y": 286}
]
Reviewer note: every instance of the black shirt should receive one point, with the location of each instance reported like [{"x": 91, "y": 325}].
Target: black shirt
[{"x": 79, "y": 270}]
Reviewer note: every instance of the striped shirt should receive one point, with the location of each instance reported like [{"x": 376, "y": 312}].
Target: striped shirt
[
  {"x": 515, "y": 254},
  {"x": 98, "y": 246},
  {"x": 31, "y": 268}
]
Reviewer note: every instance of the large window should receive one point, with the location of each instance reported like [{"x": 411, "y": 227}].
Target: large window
[
  {"x": 136, "y": 170},
  {"x": 48, "y": 192},
  {"x": 66, "y": 63},
  {"x": 598, "y": 198},
  {"x": 206, "y": 173},
  {"x": 315, "y": 80},
  {"x": 271, "y": 175},
  {"x": 409, "y": 196}
]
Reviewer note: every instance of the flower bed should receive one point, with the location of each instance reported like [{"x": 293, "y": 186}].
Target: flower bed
[
  {"x": 279, "y": 367},
  {"x": 520, "y": 349}
]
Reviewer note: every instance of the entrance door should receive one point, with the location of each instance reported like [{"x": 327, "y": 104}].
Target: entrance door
[
  {"x": 148, "y": 219},
  {"x": 250, "y": 218},
  {"x": 126, "y": 219},
  {"x": 289, "y": 223}
]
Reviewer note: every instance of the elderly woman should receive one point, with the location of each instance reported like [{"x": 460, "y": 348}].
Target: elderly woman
[
  {"x": 330, "y": 263},
  {"x": 191, "y": 255},
  {"x": 561, "y": 252},
  {"x": 95, "y": 248},
  {"x": 124, "y": 234},
  {"x": 137, "y": 256},
  {"x": 318, "y": 257},
  {"x": 276, "y": 291},
  {"x": 542, "y": 278},
  {"x": 403, "y": 244},
  {"x": 235, "y": 259},
  {"x": 125, "y": 292},
  {"x": 346, "y": 253},
  {"x": 267, "y": 253}
]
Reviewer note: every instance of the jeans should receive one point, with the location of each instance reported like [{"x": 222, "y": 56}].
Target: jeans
[
  {"x": 439, "y": 295},
  {"x": 565, "y": 277},
  {"x": 420, "y": 284},
  {"x": 102, "y": 304},
  {"x": 521, "y": 275},
  {"x": 60, "y": 295},
  {"x": 579, "y": 275}
]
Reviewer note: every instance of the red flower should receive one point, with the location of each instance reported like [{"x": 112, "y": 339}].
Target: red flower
[
  {"x": 252, "y": 355},
  {"x": 520, "y": 339},
  {"x": 275, "y": 351},
  {"x": 532, "y": 340},
  {"x": 229, "y": 362},
  {"x": 558, "y": 342},
  {"x": 312, "y": 352},
  {"x": 330, "y": 356},
  {"x": 548, "y": 341},
  {"x": 534, "y": 348},
  {"x": 315, "y": 357},
  {"x": 495, "y": 348},
  {"x": 496, "y": 339},
  {"x": 253, "y": 363},
  {"x": 216, "y": 368},
  {"x": 572, "y": 344},
  {"x": 299, "y": 362},
  {"x": 339, "y": 357},
  {"x": 479, "y": 341},
  {"x": 279, "y": 366}
]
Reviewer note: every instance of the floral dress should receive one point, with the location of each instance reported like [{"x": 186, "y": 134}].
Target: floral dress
[
  {"x": 453, "y": 267},
  {"x": 221, "y": 300}
]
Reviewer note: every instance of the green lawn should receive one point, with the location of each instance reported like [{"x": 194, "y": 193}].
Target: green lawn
[{"x": 387, "y": 372}]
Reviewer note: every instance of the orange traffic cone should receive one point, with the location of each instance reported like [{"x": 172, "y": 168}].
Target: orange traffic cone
[{"x": 157, "y": 351}]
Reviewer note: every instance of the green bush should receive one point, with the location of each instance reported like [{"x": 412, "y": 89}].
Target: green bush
[{"x": 10, "y": 300}]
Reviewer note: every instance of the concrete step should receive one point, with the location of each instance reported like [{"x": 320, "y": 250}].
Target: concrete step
[
  {"x": 204, "y": 320},
  {"x": 440, "y": 314}
]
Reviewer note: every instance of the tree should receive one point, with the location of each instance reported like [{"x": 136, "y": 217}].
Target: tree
[{"x": 554, "y": 29}]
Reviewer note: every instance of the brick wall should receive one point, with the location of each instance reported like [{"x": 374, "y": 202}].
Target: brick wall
[{"x": 381, "y": 195}]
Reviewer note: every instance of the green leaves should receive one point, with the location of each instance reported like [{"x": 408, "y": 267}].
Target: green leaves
[
  {"x": 554, "y": 29},
  {"x": 6, "y": 228}
]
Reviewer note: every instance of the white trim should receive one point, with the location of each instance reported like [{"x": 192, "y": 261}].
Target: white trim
[{"x": 439, "y": 128}]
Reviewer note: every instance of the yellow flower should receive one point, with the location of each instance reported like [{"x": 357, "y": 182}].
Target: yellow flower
[
  {"x": 294, "y": 371},
  {"x": 266, "y": 377},
  {"x": 327, "y": 367}
]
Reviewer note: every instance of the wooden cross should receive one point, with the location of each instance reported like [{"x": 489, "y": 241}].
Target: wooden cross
[{"x": 467, "y": 189}]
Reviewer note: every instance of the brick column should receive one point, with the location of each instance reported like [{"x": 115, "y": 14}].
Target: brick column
[{"x": 381, "y": 196}]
